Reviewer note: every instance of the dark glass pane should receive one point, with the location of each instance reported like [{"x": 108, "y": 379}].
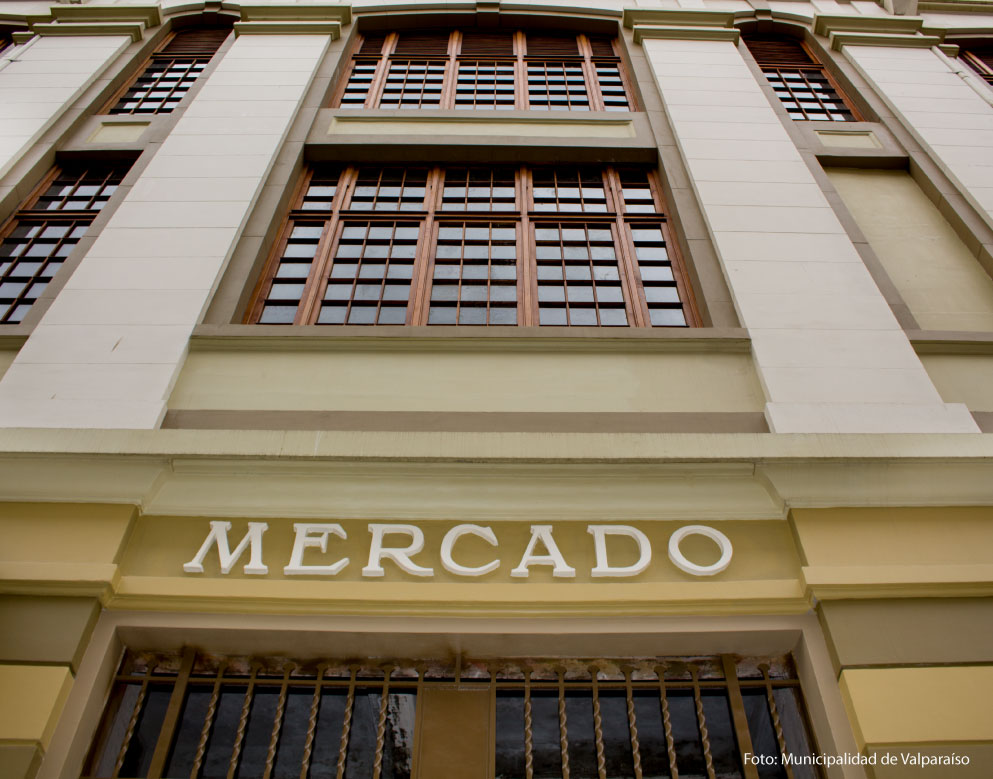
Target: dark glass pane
[
  {"x": 616, "y": 734},
  {"x": 545, "y": 730},
  {"x": 188, "y": 732},
  {"x": 146, "y": 735},
  {"x": 222, "y": 735}
]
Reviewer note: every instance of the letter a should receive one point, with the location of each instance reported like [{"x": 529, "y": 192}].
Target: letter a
[
  {"x": 219, "y": 535},
  {"x": 554, "y": 557}
]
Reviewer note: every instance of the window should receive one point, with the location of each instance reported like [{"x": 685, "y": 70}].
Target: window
[
  {"x": 170, "y": 73},
  {"x": 979, "y": 57},
  {"x": 36, "y": 242},
  {"x": 486, "y": 69},
  {"x": 802, "y": 85},
  {"x": 375, "y": 245},
  {"x": 5, "y": 39},
  {"x": 201, "y": 715}
]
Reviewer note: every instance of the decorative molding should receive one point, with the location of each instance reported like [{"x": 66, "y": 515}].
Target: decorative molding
[
  {"x": 633, "y": 17},
  {"x": 149, "y": 15},
  {"x": 133, "y": 30},
  {"x": 841, "y": 39},
  {"x": 22, "y": 36},
  {"x": 826, "y": 24},
  {"x": 288, "y": 28},
  {"x": 327, "y": 12},
  {"x": 643, "y": 32},
  {"x": 956, "y": 6}
]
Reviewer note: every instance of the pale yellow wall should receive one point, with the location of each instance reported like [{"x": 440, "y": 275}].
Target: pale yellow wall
[
  {"x": 33, "y": 697},
  {"x": 488, "y": 381},
  {"x": 962, "y": 378},
  {"x": 939, "y": 279},
  {"x": 928, "y": 705}
]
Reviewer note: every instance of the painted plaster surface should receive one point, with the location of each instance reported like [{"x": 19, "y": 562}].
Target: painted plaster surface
[
  {"x": 829, "y": 352},
  {"x": 107, "y": 351}
]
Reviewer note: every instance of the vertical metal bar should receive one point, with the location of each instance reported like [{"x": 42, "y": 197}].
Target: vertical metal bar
[
  {"x": 315, "y": 707},
  {"x": 239, "y": 735},
  {"x": 164, "y": 741},
  {"x": 277, "y": 723},
  {"x": 601, "y": 758},
  {"x": 208, "y": 721},
  {"x": 528, "y": 735},
  {"x": 563, "y": 729},
  {"x": 132, "y": 723},
  {"x": 774, "y": 713},
  {"x": 670, "y": 743},
  {"x": 377, "y": 765},
  {"x": 632, "y": 725},
  {"x": 346, "y": 724},
  {"x": 738, "y": 716},
  {"x": 702, "y": 724}
]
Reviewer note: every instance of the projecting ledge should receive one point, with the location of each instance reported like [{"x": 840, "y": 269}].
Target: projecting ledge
[{"x": 512, "y": 136}]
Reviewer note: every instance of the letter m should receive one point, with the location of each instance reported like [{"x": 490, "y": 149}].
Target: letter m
[{"x": 219, "y": 535}]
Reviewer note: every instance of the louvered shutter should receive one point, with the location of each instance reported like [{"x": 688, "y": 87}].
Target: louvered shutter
[
  {"x": 601, "y": 47},
  {"x": 423, "y": 43},
  {"x": 781, "y": 52},
  {"x": 200, "y": 41},
  {"x": 480, "y": 43},
  {"x": 552, "y": 46}
]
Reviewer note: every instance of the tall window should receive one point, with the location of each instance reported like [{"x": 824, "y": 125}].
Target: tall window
[
  {"x": 486, "y": 69},
  {"x": 571, "y": 246},
  {"x": 35, "y": 243},
  {"x": 980, "y": 58},
  {"x": 170, "y": 73},
  {"x": 201, "y": 715},
  {"x": 802, "y": 84}
]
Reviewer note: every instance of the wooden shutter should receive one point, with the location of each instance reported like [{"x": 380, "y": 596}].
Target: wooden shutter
[
  {"x": 423, "y": 43},
  {"x": 480, "y": 43},
  {"x": 551, "y": 45},
  {"x": 601, "y": 47},
  {"x": 781, "y": 52},
  {"x": 199, "y": 41}
]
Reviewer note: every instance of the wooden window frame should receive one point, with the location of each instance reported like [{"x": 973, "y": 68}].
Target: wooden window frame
[
  {"x": 815, "y": 64},
  {"x": 621, "y": 222},
  {"x": 981, "y": 64},
  {"x": 202, "y": 56},
  {"x": 585, "y": 57},
  {"x": 75, "y": 219}
]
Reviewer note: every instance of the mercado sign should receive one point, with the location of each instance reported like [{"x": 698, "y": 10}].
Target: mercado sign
[{"x": 399, "y": 544}]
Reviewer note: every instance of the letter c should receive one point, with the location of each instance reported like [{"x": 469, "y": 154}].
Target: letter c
[{"x": 454, "y": 535}]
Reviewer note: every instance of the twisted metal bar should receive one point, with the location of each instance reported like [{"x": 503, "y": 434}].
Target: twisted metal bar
[
  {"x": 132, "y": 724},
  {"x": 208, "y": 722},
  {"x": 563, "y": 727},
  {"x": 239, "y": 735},
  {"x": 277, "y": 724},
  {"x": 346, "y": 724},
  {"x": 776, "y": 724},
  {"x": 702, "y": 723},
  {"x": 377, "y": 766},
  {"x": 601, "y": 758},
  {"x": 632, "y": 725},
  {"x": 528, "y": 736},
  {"x": 670, "y": 743},
  {"x": 315, "y": 705}
]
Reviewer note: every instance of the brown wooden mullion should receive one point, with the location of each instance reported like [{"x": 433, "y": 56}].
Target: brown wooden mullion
[
  {"x": 527, "y": 272},
  {"x": 375, "y": 93},
  {"x": 633, "y": 288},
  {"x": 521, "y": 101},
  {"x": 420, "y": 284},
  {"x": 740, "y": 719},
  {"x": 589, "y": 71},
  {"x": 451, "y": 71}
]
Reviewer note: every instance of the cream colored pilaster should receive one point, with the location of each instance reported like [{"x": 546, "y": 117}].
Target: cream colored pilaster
[
  {"x": 53, "y": 64},
  {"x": 828, "y": 350},
  {"x": 108, "y": 350},
  {"x": 941, "y": 102}
]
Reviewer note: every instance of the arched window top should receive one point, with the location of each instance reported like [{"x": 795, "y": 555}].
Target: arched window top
[
  {"x": 484, "y": 68},
  {"x": 806, "y": 90}
]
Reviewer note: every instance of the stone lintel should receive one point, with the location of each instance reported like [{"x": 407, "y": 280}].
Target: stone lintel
[
  {"x": 643, "y": 31},
  {"x": 635, "y": 17},
  {"x": 288, "y": 28},
  {"x": 326, "y": 12}
]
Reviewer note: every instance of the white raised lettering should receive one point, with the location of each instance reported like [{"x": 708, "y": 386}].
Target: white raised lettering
[
  {"x": 453, "y": 535},
  {"x": 312, "y": 534},
  {"x": 401, "y": 556},
  {"x": 219, "y": 535},
  {"x": 683, "y": 564},
  {"x": 603, "y": 567},
  {"x": 554, "y": 557}
]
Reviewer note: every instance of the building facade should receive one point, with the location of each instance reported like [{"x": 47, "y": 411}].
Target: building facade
[{"x": 496, "y": 389}]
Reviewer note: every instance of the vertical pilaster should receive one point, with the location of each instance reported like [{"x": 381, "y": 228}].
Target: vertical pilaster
[
  {"x": 107, "y": 351},
  {"x": 828, "y": 350},
  {"x": 949, "y": 111}
]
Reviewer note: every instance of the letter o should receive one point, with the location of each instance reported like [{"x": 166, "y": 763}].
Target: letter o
[{"x": 683, "y": 564}]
